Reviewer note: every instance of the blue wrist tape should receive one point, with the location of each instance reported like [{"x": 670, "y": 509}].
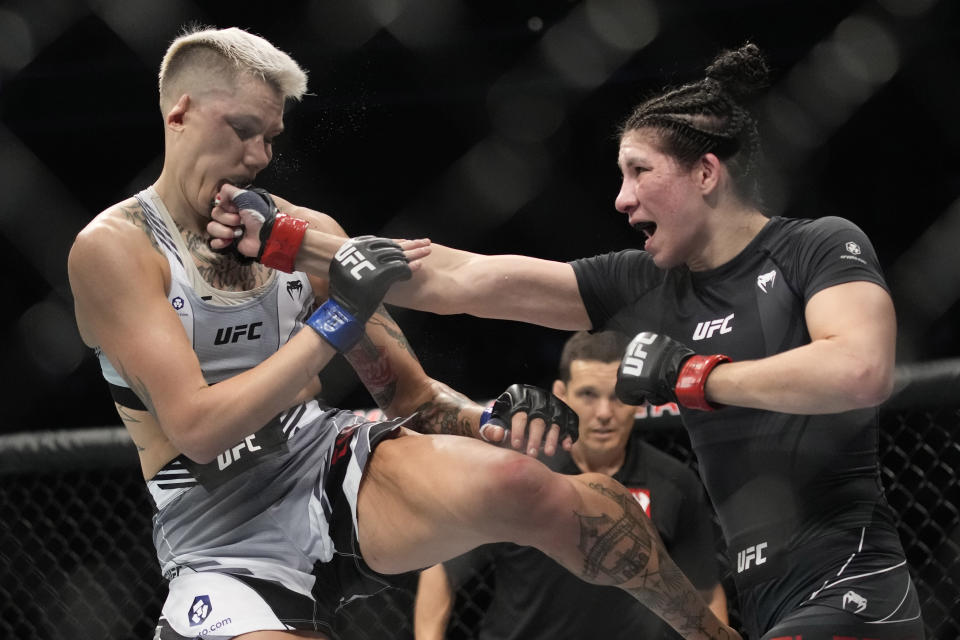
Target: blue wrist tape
[
  {"x": 336, "y": 325},
  {"x": 485, "y": 416}
]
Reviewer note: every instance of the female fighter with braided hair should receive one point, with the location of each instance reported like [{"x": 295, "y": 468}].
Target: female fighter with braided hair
[{"x": 775, "y": 336}]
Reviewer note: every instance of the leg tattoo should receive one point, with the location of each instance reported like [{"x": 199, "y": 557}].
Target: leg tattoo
[
  {"x": 622, "y": 548},
  {"x": 618, "y": 549}
]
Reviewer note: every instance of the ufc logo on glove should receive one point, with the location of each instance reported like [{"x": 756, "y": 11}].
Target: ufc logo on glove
[
  {"x": 634, "y": 357},
  {"x": 349, "y": 255}
]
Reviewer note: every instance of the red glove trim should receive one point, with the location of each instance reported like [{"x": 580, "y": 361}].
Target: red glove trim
[
  {"x": 692, "y": 379},
  {"x": 284, "y": 242}
]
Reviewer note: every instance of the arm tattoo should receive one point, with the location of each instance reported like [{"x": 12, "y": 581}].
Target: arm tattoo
[
  {"x": 383, "y": 319},
  {"x": 371, "y": 363},
  {"x": 442, "y": 416},
  {"x": 129, "y": 419},
  {"x": 125, "y": 415},
  {"x": 374, "y": 370},
  {"x": 139, "y": 388},
  {"x": 134, "y": 214}
]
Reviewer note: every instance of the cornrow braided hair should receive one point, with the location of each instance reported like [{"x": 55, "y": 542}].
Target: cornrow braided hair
[{"x": 713, "y": 115}]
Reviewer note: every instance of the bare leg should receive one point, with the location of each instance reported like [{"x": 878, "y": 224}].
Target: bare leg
[{"x": 426, "y": 499}]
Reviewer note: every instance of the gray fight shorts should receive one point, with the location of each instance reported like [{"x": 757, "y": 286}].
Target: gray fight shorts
[{"x": 271, "y": 545}]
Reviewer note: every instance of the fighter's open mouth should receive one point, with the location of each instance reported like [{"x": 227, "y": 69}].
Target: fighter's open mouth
[{"x": 646, "y": 228}]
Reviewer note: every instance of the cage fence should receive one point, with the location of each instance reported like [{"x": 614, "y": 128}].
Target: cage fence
[{"x": 76, "y": 555}]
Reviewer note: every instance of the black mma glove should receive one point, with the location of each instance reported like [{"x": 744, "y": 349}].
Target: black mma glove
[
  {"x": 280, "y": 235},
  {"x": 536, "y": 403},
  {"x": 658, "y": 369},
  {"x": 360, "y": 275}
]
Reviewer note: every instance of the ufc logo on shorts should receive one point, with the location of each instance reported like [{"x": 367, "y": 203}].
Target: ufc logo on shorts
[
  {"x": 707, "y": 329},
  {"x": 752, "y": 554},
  {"x": 349, "y": 255},
  {"x": 232, "y": 454},
  {"x": 633, "y": 360}
]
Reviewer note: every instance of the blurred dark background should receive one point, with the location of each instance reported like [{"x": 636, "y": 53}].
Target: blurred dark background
[{"x": 484, "y": 125}]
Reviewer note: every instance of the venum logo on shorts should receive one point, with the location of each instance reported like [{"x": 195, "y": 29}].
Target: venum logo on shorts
[
  {"x": 706, "y": 329},
  {"x": 199, "y": 610},
  {"x": 751, "y": 555},
  {"x": 858, "y": 602},
  {"x": 233, "y": 334}
]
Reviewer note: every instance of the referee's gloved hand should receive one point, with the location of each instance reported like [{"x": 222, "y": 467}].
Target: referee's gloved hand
[
  {"x": 525, "y": 410},
  {"x": 658, "y": 369},
  {"x": 360, "y": 275}
]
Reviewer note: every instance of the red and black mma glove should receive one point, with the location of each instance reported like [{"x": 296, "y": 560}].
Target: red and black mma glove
[
  {"x": 280, "y": 235},
  {"x": 658, "y": 369},
  {"x": 360, "y": 275},
  {"x": 536, "y": 403}
]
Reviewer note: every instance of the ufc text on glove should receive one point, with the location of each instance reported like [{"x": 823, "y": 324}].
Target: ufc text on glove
[
  {"x": 659, "y": 369},
  {"x": 361, "y": 272}
]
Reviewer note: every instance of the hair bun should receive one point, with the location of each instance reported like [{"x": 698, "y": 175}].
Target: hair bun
[{"x": 742, "y": 73}]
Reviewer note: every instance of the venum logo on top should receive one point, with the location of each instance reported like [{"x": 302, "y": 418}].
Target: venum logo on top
[
  {"x": 294, "y": 286},
  {"x": 767, "y": 279}
]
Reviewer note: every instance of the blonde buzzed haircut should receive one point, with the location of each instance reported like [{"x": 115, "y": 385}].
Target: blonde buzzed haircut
[{"x": 202, "y": 57}]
